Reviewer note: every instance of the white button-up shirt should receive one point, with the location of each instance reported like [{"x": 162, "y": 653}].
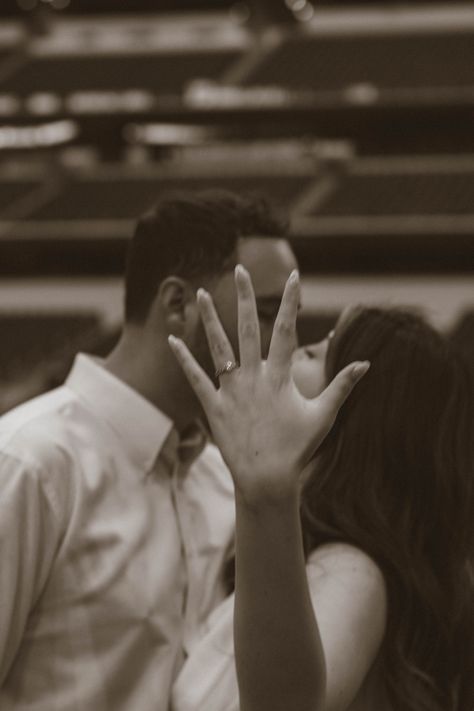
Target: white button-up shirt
[{"x": 110, "y": 551}]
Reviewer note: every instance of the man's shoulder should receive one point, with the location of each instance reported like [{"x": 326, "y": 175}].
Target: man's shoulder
[
  {"x": 36, "y": 430},
  {"x": 34, "y": 452}
]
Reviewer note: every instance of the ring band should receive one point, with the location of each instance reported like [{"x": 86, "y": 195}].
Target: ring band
[{"x": 227, "y": 368}]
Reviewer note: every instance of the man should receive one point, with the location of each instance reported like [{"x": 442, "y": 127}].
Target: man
[{"x": 112, "y": 538}]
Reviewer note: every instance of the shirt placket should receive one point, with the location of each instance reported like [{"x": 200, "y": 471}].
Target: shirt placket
[
  {"x": 167, "y": 466},
  {"x": 190, "y": 543}
]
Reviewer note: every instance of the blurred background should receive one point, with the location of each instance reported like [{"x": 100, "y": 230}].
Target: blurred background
[{"x": 357, "y": 118}]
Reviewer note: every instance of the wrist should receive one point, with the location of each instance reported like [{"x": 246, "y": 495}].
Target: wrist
[
  {"x": 268, "y": 525},
  {"x": 272, "y": 497}
]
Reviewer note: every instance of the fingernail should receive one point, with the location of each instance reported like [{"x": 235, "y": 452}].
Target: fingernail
[
  {"x": 361, "y": 368},
  {"x": 294, "y": 276},
  {"x": 202, "y": 293},
  {"x": 240, "y": 270},
  {"x": 172, "y": 340}
]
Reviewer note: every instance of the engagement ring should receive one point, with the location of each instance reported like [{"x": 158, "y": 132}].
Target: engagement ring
[{"x": 227, "y": 368}]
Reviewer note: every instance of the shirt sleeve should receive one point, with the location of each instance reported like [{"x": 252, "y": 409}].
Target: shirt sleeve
[{"x": 29, "y": 538}]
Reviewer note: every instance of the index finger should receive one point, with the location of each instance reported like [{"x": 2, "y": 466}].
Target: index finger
[{"x": 284, "y": 331}]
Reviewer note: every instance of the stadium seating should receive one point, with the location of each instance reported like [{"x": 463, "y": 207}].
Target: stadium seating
[
  {"x": 38, "y": 348},
  {"x": 378, "y": 103},
  {"x": 385, "y": 61}
]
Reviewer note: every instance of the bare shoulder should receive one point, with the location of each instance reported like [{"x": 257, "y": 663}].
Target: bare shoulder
[
  {"x": 349, "y": 599},
  {"x": 345, "y": 562},
  {"x": 348, "y": 589}
]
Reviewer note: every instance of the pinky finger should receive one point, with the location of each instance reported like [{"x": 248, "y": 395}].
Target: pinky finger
[{"x": 199, "y": 381}]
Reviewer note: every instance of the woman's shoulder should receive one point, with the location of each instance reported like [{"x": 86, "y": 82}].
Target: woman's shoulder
[
  {"x": 348, "y": 593},
  {"x": 344, "y": 559},
  {"x": 342, "y": 575}
]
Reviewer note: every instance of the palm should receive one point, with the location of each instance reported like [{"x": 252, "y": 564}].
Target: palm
[{"x": 262, "y": 431}]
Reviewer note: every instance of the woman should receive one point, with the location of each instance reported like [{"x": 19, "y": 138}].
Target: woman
[{"x": 371, "y": 606}]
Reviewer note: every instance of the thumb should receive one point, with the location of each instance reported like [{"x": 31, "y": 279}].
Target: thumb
[{"x": 330, "y": 401}]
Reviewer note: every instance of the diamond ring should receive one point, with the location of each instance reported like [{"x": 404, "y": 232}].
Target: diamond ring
[{"x": 228, "y": 367}]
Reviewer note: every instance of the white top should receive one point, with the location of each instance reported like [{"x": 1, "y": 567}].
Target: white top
[
  {"x": 110, "y": 550},
  {"x": 208, "y": 678}
]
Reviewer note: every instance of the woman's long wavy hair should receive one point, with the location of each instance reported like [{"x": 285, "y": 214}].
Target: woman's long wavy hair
[{"x": 395, "y": 478}]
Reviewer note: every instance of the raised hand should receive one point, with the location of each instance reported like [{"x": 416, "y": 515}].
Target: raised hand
[{"x": 265, "y": 429}]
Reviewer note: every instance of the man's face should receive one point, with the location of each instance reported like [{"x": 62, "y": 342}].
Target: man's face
[{"x": 269, "y": 262}]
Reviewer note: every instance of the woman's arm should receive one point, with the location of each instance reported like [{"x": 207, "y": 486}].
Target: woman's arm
[
  {"x": 312, "y": 633},
  {"x": 266, "y": 432},
  {"x": 279, "y": 657},
  {"x": 349, "y": 601}
]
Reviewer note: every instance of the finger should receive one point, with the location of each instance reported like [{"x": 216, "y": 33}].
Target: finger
[
  {"x": 250, "y": 350},
  {"x": 284, "y": 331},
  {"x": 219, "y": 346},
  {"x": 197, "y": 378},
  {"x": 336, "y": 393}
]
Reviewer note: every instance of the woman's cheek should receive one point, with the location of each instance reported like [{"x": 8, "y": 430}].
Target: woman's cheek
[{"x": 309, "y": 378}]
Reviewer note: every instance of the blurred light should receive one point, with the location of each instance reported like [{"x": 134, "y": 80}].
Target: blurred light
[
  {"x": 303, "y": 11},
  {"x": 204, "y": 93},
  {"x": 165, "y": 134},
  {"x": 43, "y": 103},
  {"x": 32, "y": 4},
  {"x": 51, "y": 134},
  {"x": 27, "y": 4},
  {"x": 296, "y": 5},
  {"x": 89, "y": 102},
  {"x": 57, "y": 4},
  {"x": 363, "y": 93},
  {"x": 240, "y": 12},
  {"x": 9, "y": 105},
  {"x": 137, "y": 100},
  {"x": 79, "y": 156}
]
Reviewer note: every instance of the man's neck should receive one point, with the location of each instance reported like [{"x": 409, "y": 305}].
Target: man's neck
[{"x": 154, "y": 380}]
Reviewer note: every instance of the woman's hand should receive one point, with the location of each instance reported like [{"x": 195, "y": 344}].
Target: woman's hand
[{"x": 266, "y": 430}]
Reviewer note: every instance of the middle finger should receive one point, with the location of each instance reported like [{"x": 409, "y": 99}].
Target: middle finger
[{"x": 250, "y": 350}]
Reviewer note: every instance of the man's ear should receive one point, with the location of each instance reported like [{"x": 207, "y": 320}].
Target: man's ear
[{"x": 175, "y": 305}]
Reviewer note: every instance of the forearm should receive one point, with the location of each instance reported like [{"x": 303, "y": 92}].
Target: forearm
[{"x": 279, "y": 657}]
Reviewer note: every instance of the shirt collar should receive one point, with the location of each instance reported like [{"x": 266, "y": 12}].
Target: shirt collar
[
  {"x": 183, "y": 449},
  {"x": 141, "y": 427}
]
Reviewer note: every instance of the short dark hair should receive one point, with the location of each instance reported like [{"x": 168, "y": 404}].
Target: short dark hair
[{"x": 191, "y": 235}]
